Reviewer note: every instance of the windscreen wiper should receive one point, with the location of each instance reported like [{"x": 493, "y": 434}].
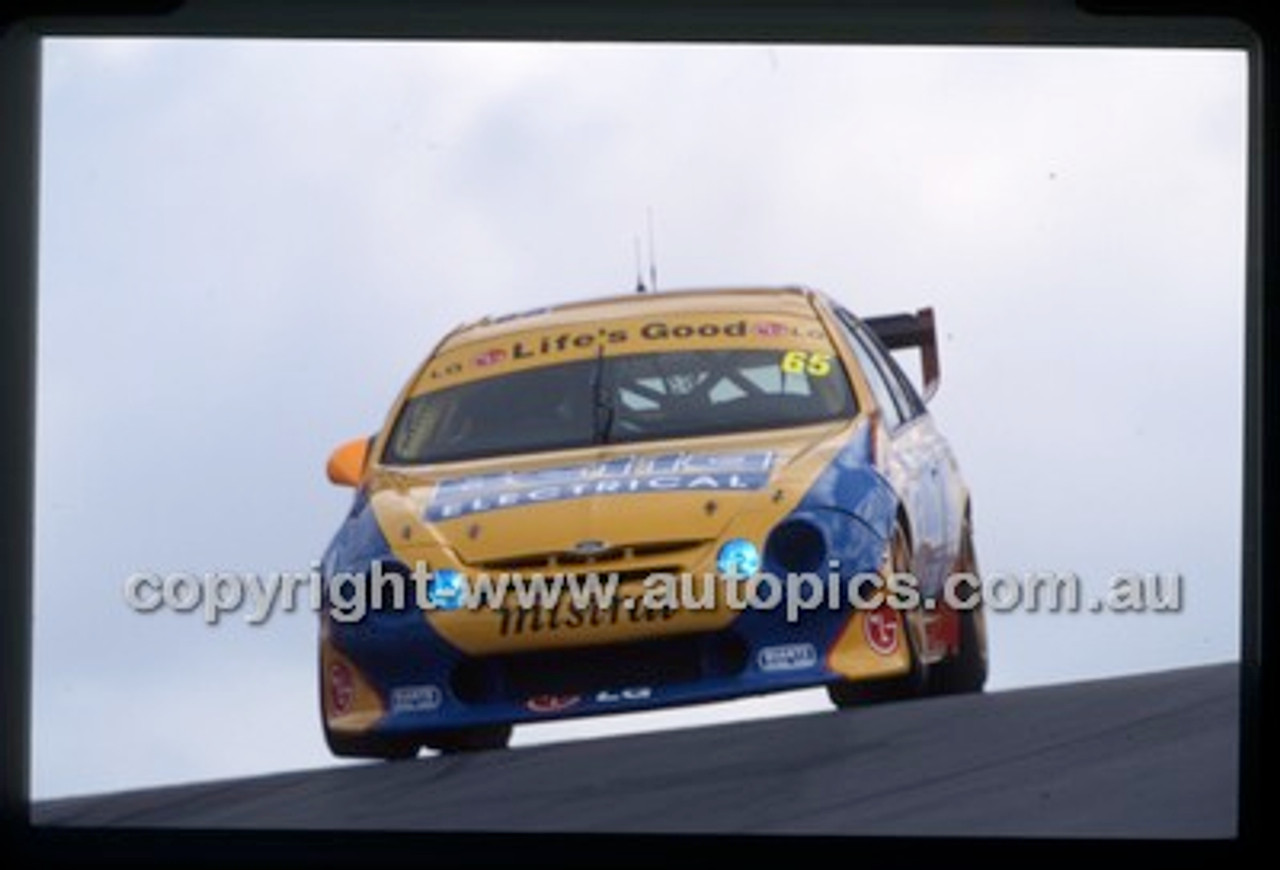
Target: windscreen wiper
[{"x": 601, "y": 402}]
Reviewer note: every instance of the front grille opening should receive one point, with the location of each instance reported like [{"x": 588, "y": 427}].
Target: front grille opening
[
  {"x": 556, "y": 562},
  {"x": 473, "y": 682},
  {"x": 583, "y": 670},
  {"x": 636, "y": 575}
]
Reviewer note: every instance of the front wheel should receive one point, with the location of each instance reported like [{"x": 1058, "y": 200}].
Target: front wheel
[
  {"x": 966, "y": 671},
  {"x": 912, "y": 684},
  {"x": 474, "y": 739},
  {"x": 372, "y": 746}
]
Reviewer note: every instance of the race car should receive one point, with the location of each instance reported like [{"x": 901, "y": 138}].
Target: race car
[{"x": 642, "y": 501}]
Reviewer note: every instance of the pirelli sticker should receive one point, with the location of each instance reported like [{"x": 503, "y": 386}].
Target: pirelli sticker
[
  {"x": 627, "y": 475},
  {"x": 539, "y": 347}
]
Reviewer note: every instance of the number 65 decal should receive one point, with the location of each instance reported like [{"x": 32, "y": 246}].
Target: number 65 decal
[{"x": 800, "y": 362}]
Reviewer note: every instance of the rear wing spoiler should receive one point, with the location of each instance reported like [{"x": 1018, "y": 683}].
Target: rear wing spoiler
[{"x": 899, "y": 331}]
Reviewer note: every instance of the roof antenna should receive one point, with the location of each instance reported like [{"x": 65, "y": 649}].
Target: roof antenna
[
  {"x": 640, "y": 288},
  {"x": 653, "y": 257}
]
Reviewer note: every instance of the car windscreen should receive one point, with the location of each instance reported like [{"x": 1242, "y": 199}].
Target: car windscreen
[{"x": 619, "y": 399}]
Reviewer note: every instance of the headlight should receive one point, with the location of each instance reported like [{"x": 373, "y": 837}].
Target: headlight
[
  {"x": 447, "y": 589},
  {"x": 738, "y": 559}
]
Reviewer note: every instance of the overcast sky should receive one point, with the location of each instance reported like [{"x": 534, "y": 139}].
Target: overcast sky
[{"x": 246, "y": 247}]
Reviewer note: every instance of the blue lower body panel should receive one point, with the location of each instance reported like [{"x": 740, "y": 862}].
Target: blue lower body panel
[{"x": 426, "y": 684}]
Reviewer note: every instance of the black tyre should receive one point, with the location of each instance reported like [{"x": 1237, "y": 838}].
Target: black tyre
[
  {"x": 402, "y": 747},
  {"x": 966, "y": 671},
  {"x": 372, "y": 746},
  {"x": 914, "y": 683},
  {"x": 474, "y": 739}
]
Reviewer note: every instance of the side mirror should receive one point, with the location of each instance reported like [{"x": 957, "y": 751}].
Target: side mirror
[{"x": 346, "y": 464}]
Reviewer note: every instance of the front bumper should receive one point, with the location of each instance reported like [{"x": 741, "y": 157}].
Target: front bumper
[{"x": 392, "y": 674}]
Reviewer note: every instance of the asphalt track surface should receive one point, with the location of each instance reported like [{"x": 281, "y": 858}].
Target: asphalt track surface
[{"x": 1153, "y": 755}]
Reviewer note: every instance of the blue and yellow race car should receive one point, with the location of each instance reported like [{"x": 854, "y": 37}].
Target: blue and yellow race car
[{"x": 644, "y": 501}]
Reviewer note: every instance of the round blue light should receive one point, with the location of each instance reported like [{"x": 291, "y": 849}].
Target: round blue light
[
  {"x": 448, "y": 590},
  {"x": 738, "y": 559}
]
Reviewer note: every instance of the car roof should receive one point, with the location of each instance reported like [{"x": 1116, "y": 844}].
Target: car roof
[{"x": 797, "y": 301}]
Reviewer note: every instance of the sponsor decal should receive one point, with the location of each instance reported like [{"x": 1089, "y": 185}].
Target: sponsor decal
[
  {"x": 666, "y": 472},
  {"x": 659, "y": 332},
  {"x": 787, "y": 657},
  {"x": 551, "y": 703},
  {"x": 631, "y": 693},
  {"x": 880, "y": 627},
  {"x": 567, "y": 616},
  {"x": 415, "y": 699},
  {"x": 552, "y": 344},
  {"x": 342, "y": 687},
  {"x": 491, "y": 357}
]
